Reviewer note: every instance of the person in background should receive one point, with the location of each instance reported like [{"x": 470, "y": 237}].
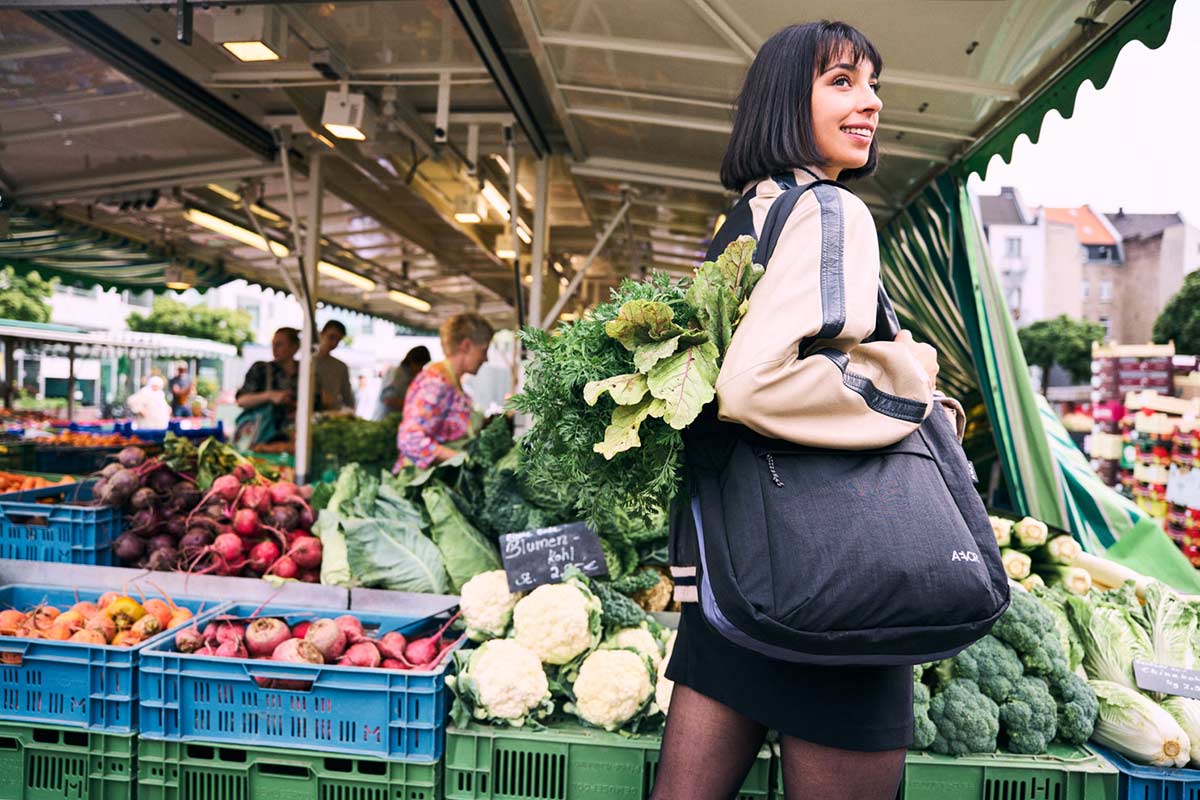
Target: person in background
[
  {"x": 181, "y": 391},
  {"x": 395, "y": 385},
  {"x": 276, "y": 381},
  {"x": 149, "y": 406},
  {"x": 436, "y": 410},
  {"x": 332, "y": 377}
]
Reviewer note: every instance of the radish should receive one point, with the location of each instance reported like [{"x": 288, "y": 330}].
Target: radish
[
  {"x": 284, "y": 567},
  {"x": 301, "y": 629},
  {"x": 231, "y": 649},
  {"x": 283, "y": 492},
  {"x": 226, "y": 550},
  {"x": 265, "y": 635},
  {"x": 326, "y": 636},
  {"x": 306, "y": 552},
  {"x": 422, "y": 652},
  {"x": 262, "y": 556},
  {"x": 245, "y": 523},
  {"x": 188, "y": 640},
  {"x": 361, "y": 654},
  {"x": 392, "y": 644},
  {"x": 207, "y": 650},
  {"x": 224, "y": 631},
  {"x": 256, "y": 499},
  {"x": 283, "y": 517},
  {"x": 391, "y": 663},
  {"x": 244, "y": 473},
  {"x": 352, "y": 627},
  {"x": 297, "y": 651}
]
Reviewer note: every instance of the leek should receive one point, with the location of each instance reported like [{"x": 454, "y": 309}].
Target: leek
[
  {"x": 1002, "y": 530},
  {"x": 1016, "y": 564},
  {"x": 1030, "y": 533},
  {"x": 1072, "y": 579}
]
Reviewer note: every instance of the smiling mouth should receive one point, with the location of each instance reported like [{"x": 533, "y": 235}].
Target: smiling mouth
[{"x": 863, "y": 132}]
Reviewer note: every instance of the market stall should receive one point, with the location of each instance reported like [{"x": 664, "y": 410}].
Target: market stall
[{"x": 239, "y": 548}]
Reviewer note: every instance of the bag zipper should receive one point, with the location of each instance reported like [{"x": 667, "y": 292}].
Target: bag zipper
[{"x": 771, "y": 466}]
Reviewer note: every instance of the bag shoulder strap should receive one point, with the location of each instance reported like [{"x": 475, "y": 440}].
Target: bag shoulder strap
[{"x": 887, "y": 325}]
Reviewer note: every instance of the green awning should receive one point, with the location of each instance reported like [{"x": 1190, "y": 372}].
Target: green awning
[{"x": 80, "y": 254}]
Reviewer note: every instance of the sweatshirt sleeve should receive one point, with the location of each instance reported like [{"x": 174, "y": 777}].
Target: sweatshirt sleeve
[{"x": 797, "y": 369}]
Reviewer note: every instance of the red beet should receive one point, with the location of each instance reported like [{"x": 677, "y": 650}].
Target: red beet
[
  {"x": 245, "y": 523},
  {"x": 263, "y": 555},
  {"x": 326, "y": 636},
  {"x": 231, "y": 649},
  {"x": 391, "y": 663},
  {"x": 352, "y": 627},
  {"x": 188, "y": 640},
  {"x": 265, "y": 635},
  {"x": 284, "y": 567},
  {"x": 297, "y": 651},
  {"x": 256, "y": 499},
  {"x": 306, "y": 552},
  {"x": 392, "y": 645},
  {"x": 301, "y": 629},
  {"x": 310, "y": 576},
  {"x": 282, "y": 492},
  {"x": 423, "y": 652},
  {"x": 361, "y": 654}
]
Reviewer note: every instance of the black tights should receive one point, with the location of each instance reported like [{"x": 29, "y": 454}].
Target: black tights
[{"x": 709, "y": 748}]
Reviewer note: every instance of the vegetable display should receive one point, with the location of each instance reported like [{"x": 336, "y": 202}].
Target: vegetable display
[
  {"x": 566, "y": 650},
  {"x": 113, "y": 619},
  {"x": 16, "y": 482},
  {"x": 340, "y": 641}
]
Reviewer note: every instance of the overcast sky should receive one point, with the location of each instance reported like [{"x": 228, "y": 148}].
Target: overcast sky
[{"x": 1135, "y": 143}]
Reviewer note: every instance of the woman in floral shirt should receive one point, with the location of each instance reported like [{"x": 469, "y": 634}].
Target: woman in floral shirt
[{"x": 436, "y": 410}]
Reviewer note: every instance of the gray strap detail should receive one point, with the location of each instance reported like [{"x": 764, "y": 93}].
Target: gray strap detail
[
  {"x": 833, "y": 279},
  {"x": 890, "y": 405}
]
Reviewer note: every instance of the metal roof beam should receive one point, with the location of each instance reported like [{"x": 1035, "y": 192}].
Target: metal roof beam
[
  {"x": 88, "y": 187},
  {"x": 13, "y": 137},
  {"x": 309, "y": 73},
  {"x": 34, "y": 51},
  {"x": 722, "y": 28}
]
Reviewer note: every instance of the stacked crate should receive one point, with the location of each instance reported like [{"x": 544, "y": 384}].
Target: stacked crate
[{"x": 1118, "y": 370}]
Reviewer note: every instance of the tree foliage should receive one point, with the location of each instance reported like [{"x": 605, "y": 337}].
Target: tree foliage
[
  {"x": 25, "y": 297},
  {"x": 1179, "y": 322},
  {"x": 1063, "y": 341},
  {"x": 222, "y": 325}
]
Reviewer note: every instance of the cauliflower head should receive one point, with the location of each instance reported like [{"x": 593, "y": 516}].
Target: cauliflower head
[
  {"x": 559, "y": 622},
  {"x": 664, "y": 686},
  {"x": 640, "y": 639},
  {"x": 502, "y": 682},
  {"x": 613, "y": 687},
  {"x": 487, "y": 605}
]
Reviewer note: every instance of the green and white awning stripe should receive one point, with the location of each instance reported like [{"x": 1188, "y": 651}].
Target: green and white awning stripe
[
  {"x": 79, "y": 253},
  {"x": 1099, "y": 516}
]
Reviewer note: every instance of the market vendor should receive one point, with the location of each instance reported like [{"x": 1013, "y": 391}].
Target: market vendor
[
  {"x": 331, "y": 375},
  {"x": 276, "y": 381},
  {"x": 436, "y": 410}
]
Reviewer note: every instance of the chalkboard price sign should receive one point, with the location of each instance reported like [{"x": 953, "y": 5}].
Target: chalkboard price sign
[
  {"x": 1153, "y": 677},
  {"x": 532, "y": 558}
]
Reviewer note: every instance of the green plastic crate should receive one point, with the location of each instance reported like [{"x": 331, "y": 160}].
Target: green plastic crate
[
  {"x": 194, "y": 771},
  {"x": 565, "y": 762},
  {"x": 1065, "y": 773},
  {"x": 47, "y": 762}
]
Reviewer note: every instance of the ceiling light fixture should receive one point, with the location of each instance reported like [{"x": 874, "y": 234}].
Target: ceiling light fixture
[
  {"x": 217, "y": 188},
  {"x": 504, "y": 246},
  {"x": 348, "y": 115},
  {"x": 345, "y": 276},
  {"x": 525, "y": 195},
  {"x": 412, "y": 301},
  {"x": 235, "y": 232},
  {"x": 524, "y": 232},
  {"x": 502, "y": 164},
  {"x": 179, "y": 277},
  {"x": 251, "y": 33},
  {"x": 495, "y": 199},
  {"x": 470, "y": 209}
]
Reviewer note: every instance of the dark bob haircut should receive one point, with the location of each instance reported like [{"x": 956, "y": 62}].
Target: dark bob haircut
[
  {"x": 334, "y": 324},
  {"x": 772, "y": 127}
]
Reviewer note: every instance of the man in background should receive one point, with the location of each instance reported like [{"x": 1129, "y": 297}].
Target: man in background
[
  {"x": 395, "y": 385},
  {"x": 332, "y": 377},
  {"x": 181, "y": 391}
]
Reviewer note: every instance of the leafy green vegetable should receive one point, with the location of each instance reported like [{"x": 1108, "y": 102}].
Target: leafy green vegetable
[
  {"x": 465, "y": 550},
  {"x": 1029, "y": 717},
  {"x": 351, "y": 439},
  {"x": 1172, "y": 626},
  {"x": 967, "y": 721},
  {"x": 1111, "y": 641}
]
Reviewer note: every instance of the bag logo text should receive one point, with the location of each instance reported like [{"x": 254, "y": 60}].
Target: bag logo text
[{"x": 964, "y": 555}]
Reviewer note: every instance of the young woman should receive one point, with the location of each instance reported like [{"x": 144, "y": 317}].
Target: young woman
[
  {"x": 276, "y": 381},
  {"x": 808, "y": 111},
  {"x": 436, "y": 409}
]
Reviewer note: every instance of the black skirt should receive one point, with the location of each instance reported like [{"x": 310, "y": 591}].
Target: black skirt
[{"x": 867, "y": 709}]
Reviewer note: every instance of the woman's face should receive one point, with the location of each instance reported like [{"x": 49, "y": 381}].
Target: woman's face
[
  {"x": 845, "y": 113},
  {"x": 473, "y": 355},
  {"x": 282, "y": 348}
]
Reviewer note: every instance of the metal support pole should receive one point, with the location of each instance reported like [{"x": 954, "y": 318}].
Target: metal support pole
[
  {"x": 513, "y": 216},
  {"x": 579, "y": 275},
  {"x": 70, "y": 383},
  {"x": 312, "y": 250},
  {"x": 10, "y": 374},
  {"x": 540, "y": 213}
]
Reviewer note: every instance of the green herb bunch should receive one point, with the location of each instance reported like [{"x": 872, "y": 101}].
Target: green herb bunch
[{"x": 610, "y": 394}]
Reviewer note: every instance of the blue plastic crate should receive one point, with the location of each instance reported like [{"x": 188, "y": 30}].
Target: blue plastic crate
[
  {"x": 67, "y": 532},
  {"x": 394, "y": 714},
  {"x": 68, "y": 683},
  {"x": 214, "y": 431},
  {"x": 1141, "y": 782}
]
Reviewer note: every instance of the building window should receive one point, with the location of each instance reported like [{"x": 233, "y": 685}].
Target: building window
[
  {"x": 251, "y": 308},
  {"x": 1106, "y": 323},
  {"x": 1087, "y": 290},
  {"x": 1106, "y": 291},
  {"x": 1012, "y": 247}
]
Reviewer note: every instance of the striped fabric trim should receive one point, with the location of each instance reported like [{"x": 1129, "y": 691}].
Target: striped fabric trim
[
  {"x": 901, "y": 408},
  {"x": 683, "y": 572},
  {"x": 685, "y": 594}
]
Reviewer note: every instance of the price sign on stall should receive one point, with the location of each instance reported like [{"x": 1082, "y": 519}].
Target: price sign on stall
[
  {"x": 532, "y": 558},
  {"x": 1152, "y": 677}
]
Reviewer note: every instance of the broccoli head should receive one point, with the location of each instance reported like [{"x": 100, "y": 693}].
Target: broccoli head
[
  {"x": 1028, "y": 627},
  {"x": 992, "y": 664},
  {"x": 1077, "y": 706},
  {"x": 1029, "y": 717},
  {"x": 923, "y": 730},
  {"x": 967, "y": 720}
]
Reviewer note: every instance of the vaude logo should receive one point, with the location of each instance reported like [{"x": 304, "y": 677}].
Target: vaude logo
[{"x": 964, "y": 555}]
